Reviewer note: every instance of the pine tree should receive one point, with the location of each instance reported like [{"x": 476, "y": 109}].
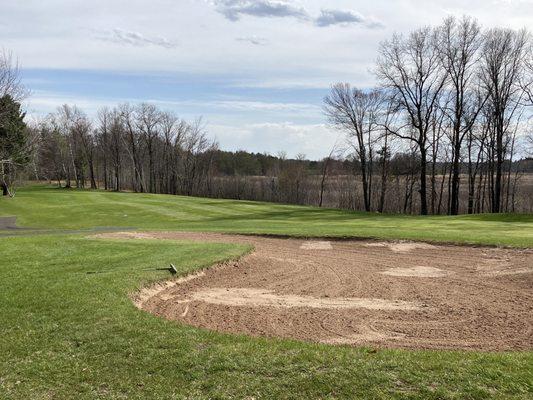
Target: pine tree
[{"x": 14, "y": 149}]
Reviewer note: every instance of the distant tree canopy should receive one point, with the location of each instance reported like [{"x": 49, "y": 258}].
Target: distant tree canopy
[{"x": 242, "y": 163}]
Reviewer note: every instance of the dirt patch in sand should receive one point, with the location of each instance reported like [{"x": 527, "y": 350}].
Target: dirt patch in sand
[
  {"x": 421, "y": 272},
  {"x": 357, "y": 293},
  {"x": 253, "y": 297},
  {"x": 314, "y": 245},
  {"x": 500, "y": 265},
  {"x": 401, "y": 247},
  {"x": 508, "y": 271}
]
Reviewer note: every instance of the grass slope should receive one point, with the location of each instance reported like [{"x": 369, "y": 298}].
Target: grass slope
[
  {"x": 65, "y": 334},
  {"x": 46, "y": 207}
]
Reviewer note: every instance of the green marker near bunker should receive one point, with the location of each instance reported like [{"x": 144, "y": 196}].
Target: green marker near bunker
[{"x": 171, "y": 268}]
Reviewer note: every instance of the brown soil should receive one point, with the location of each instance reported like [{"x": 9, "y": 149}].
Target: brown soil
[{"x": 408, "y": 295}]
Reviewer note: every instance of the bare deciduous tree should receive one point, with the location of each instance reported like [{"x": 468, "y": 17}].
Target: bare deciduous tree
[
  {"x": 10, "y": 80},
  {"x": 357, "y": 112},
  {"x": 502, "y": 66},
  {"x": 410, "y": 70},
  {"x": 458, "y": 43}
]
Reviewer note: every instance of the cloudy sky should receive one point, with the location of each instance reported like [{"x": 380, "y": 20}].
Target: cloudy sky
[{"x": 256, "y": 70}]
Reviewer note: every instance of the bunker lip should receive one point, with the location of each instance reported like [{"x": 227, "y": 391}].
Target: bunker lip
[
  {"x": 267, "y": 293},
  {"x": 366, "y": 238}
]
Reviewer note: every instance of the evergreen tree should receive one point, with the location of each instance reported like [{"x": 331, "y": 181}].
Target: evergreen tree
[{"x": 14, "y": 149}]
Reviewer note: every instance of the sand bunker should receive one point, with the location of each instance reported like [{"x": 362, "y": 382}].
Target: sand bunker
[
  {"x": 252, "y": 297},
  {"x": 358, "y": 293},
  {"x": 422, "y": 272},
  {"x": 313, "y": 245}
]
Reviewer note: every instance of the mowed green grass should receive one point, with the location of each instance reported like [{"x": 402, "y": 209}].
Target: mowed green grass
[
  {"x": 68, "y": 335},
  {"x": 65, "y": 334},
  {"x": 46, "y": 207}
]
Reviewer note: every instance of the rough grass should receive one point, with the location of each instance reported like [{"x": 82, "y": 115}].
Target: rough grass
[
  {"x": 45, "y": 207},
  {"x": 65, "y": 334}
]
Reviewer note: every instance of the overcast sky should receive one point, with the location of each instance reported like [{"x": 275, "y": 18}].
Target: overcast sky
[{"x": 256, "y": 70}]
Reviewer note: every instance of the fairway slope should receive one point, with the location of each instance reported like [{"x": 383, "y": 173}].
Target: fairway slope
[{"x": 70, "y": 211}]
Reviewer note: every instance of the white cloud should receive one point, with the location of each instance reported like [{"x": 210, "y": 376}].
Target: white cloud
[
  {"x": 256, "y": 40},
  {"x": 42, "y": 102},
  {"x": 313, "y": 140},
  {"x": 234, "y": 9},
  {"x": 265, "y": 106},
  {"x": 123, "y": 37},
  {"x": 330, "y": 17}
]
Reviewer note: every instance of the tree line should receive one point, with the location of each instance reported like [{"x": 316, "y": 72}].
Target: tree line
[
  {"x": 445, "y": 131},
  {"x": 129, "y": 147},
  {"x": 451, "y": 95}
]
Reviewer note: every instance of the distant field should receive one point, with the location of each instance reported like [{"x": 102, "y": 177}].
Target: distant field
[
  {"x": 51, "y": 208},
  {"x": 346, "y": 192}
]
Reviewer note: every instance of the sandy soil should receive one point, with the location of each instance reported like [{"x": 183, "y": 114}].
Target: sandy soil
[{"x": 396, "y": 294}]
